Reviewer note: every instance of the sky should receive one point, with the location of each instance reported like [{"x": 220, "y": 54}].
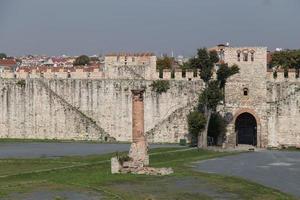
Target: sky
[{"x": 74, "y": 27}]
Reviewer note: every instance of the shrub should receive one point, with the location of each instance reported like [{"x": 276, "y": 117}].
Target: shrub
[
  {"x": 21, "y": 83},
  {"x": 196, "y": 122},
  {"x": 160, "y": 86},
  {"x": 122, "y": 158}
]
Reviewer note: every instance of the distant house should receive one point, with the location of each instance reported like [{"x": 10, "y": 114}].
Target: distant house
[
  {"x": 8, "y": 65},
  {"x": 49, "y": 63}
]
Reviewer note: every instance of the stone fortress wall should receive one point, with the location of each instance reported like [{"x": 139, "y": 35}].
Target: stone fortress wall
[
  {"x": 95, "y": 103},
  {"x": 84, "y": 109}
]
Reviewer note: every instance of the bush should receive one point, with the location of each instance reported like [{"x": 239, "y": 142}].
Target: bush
[
  {"x": 21, "y": 83},
  {"x": 196, "y": 122},
  {"x": 160, "y": 86},
  {"x": 122, "y": 158}
]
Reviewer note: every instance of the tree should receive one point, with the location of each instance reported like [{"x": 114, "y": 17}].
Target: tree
[
  {"x": 3, "y": 55},
  {"x": 82, "y": 60},
  {"x": 164, "y": 63},
  {"x": 217, "y": 127},
  {"x": 214, "y": 90},
  {"x": 224, "y": 72},
  {"x": 286, "y": 60},
  {"x": 196, "y": 123}
]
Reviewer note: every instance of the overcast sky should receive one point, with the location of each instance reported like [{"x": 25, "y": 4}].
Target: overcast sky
[{"x": 74, "y": 27}]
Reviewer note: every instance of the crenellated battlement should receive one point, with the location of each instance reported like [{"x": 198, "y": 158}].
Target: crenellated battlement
[
  {"x": 280, "y": 75},
  {"x": 101, "y": 72}
]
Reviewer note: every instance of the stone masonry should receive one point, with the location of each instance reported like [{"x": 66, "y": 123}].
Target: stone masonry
[
  {"x": 138, "y": 155},
  {"x": 97, "y": 105},
  {"x": 81, "y": 109},
  {"x": 139, "y": 146}
]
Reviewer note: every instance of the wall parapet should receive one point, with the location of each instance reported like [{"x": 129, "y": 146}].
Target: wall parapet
[
  {"x": 178, "y": 74},
  {"x": 282, "y": 76},
  {"x": 100, "y": 72}
]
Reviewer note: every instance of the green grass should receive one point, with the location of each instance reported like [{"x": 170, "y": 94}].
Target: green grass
[
  {"x": 93, "y": 173},
  {"x": 291, "y": 149}
]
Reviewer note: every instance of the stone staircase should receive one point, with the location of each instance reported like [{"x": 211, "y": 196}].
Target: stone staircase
[
  {"x": 88, "y": 120},
  {"x": 178, "y": 112}
]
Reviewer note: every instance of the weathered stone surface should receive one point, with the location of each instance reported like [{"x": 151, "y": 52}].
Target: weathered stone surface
[
  {"x": 91, "y": 109},
  {"x": 99, "y": 107},
  {"x": 139, "y": 158},
  {"x": 115, "y": 165},
  {"x": 148, "y": 171},
  {"x": 274, "y": 103},
  {"x": 139, "y": 152}
]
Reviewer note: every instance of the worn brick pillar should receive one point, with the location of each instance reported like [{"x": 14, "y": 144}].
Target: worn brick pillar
[{"x": 139, "y": 147}]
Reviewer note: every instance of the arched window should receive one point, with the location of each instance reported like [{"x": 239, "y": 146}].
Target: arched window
[
  {"x": 245, "y": 55},
  {"x": 252, "y": 55},
  {"x": 238, "y": 55},
  {"x": 245, "y": 91},
  {"x": 221, "y": 55}
]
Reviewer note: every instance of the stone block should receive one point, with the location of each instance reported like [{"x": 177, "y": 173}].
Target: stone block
[{"x": 115, "y": 165}]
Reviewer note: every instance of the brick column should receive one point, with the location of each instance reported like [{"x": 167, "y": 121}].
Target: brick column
[
  {"x": 139, "y": 147},
  {"x": 137, "y": 115}
]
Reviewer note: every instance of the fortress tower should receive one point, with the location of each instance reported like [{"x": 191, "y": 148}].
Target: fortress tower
[{"x": 246, "y": 96}]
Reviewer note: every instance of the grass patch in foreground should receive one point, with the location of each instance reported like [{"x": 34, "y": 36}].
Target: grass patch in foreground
[{"x": 93, "y": 172}]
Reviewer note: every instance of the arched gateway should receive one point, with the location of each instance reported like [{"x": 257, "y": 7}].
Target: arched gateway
[{"x": 246, "y": 129}]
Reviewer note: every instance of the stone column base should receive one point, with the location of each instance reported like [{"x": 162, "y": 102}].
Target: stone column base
[
  {"x": 139, "y": 153},
  {"x": 136, "y": 167}
]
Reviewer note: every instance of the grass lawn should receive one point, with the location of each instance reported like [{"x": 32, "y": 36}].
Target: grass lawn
[{"x": 90, "y": 175}]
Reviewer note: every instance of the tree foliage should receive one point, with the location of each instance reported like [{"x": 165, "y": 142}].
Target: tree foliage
[
  {"x": 206, "y": 61},
  {"x": 210, "y": 97},
  {"x": 286, "y": 59},
  {"x": 164, "y": 63},
  {"x": 3, "y": 55},
  {"x": 196, "y": 122},
  {"x": 160, "y": 86},
  {"x": 214, "y": 91},
  {"x": 217, "y": 126},
  {"x": 82, "y": 60},
  {"x": 224, "y": 72}
]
